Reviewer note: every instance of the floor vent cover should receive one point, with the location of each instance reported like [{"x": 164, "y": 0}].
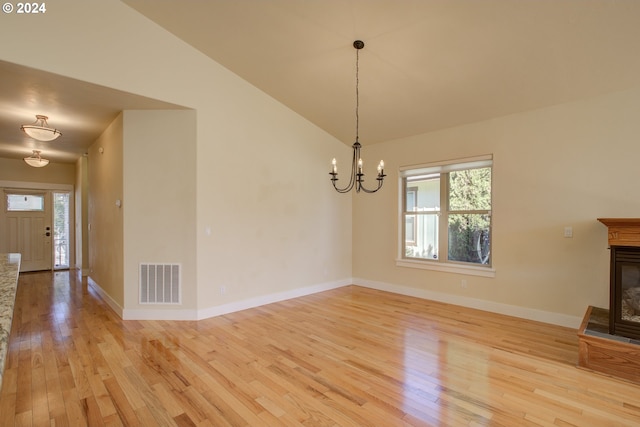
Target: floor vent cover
[{"x": 160, "y": 284}]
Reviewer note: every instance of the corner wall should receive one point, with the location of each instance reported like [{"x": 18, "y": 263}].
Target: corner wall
[
  {"x": 560, "y": 166},
  {"x": 105, "y": 219},
  {"x": 81, "y": 219},
  {"x": 159, "y": 204}
]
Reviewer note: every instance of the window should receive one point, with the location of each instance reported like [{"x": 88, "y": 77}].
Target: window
[
  {"x": 61, "y": 219},
  {"x": 25, "y": 202},
  {"x": 446, "y": 213}
]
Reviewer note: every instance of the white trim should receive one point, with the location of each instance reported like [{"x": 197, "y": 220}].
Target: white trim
[
  {"x": 271, "y": 298},
  {"x": 106, "y": 297},
  {"x": 447, "y": 165},
  {"x": 491, "y": 306},
  {"x": 470, "y": 270},
  {"x": 144, "y": 314}
]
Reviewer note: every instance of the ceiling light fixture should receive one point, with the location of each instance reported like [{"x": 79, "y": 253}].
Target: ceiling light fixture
[
  {"x": 357, "y": 177},
  {"x": 40, "y": 130},
  {"x": 35, "y": 160}
]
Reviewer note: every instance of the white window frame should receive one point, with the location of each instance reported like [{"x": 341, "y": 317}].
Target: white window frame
[{"x": 441, "y": 264}]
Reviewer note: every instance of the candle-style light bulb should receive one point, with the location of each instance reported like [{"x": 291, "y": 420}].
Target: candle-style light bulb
[
  {"x": 360, "y": 165},
  {"x": 334, "y": 166},
  {"x": 381, "y": 167}
]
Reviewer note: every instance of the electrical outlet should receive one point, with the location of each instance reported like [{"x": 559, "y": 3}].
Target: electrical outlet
[
  {"x": 223, "y": 290},
  {"x": 463, "y": 283}
]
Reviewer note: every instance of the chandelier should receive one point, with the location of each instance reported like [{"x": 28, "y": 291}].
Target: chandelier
[
  {"x": 40, "y": 130},
  {"x": 35, "y": 160},
  {"x": 356, "y": 178}
]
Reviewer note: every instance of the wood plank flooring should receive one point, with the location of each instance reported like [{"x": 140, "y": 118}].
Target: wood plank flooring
[{"x": 347, "y": 357}]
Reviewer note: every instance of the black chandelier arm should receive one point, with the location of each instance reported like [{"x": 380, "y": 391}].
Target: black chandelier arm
[
  {"x": 352, "y": 178},
  {"x": 340, "y": 190},
  {"x": 380, "y": 180},
  {"x": 356, "y": 177}
]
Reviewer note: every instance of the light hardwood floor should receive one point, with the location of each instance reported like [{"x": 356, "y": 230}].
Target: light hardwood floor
[{"x": 347, "y": 357}]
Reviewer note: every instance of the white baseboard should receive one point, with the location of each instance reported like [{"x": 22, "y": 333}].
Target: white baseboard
[
  {"x": 269, "y": 299},
  {"x": 105, "y": 297},
  {"x": 494, "y": 307},
  {"x": 155, "y": 314}
]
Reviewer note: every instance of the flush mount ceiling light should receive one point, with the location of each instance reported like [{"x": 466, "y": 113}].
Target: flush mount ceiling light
[
  {"x": 40, "y": 130},
  {"x": 357, "y": 177},
  {"x": 35, "y": 160}
]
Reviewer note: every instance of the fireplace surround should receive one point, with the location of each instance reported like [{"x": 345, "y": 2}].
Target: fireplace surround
[
  {"x": 624, "y": 282},
  {"x": 609, "y": 340}
]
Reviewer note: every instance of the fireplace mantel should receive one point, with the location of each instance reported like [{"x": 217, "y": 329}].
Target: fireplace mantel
[{"x": 623, "y": 231}]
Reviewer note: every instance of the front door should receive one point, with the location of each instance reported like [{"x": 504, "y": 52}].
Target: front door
[{"x": 27, "y": 228}]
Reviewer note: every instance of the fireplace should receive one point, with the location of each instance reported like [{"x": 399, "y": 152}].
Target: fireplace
[
  {"x": 624, "y": 302},
  {"x": 624, "y": 282}
]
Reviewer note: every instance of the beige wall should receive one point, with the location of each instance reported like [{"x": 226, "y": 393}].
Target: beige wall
[
  {"x": 159, "y": 202},
  {"x": 266, "y": 219},
  {"x": 105, "y": 219},
  {"x": 53, "y": 173},
  {"x": 561, "y": 166}
]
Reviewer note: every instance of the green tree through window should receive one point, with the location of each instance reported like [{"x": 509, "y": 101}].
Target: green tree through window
[{"x": 469, "y": 215}]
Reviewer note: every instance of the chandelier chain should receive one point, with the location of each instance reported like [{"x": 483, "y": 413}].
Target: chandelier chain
[{"x": 357, "y": 94}]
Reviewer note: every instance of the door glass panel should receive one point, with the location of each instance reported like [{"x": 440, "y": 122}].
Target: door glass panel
[
  {"x": 25, "y": 202},
  {"x": 61, "y": 230}
]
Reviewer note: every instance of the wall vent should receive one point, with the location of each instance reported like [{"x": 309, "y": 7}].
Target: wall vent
[{"x": 160, "y": 284}]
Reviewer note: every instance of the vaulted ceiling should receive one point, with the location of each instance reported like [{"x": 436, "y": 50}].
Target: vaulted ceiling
[{"x": 426, "y": 64}]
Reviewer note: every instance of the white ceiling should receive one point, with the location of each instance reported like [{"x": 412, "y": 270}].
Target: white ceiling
[
  {"x": 426, "y": 64},
  {"x": 80, "y": 110}
]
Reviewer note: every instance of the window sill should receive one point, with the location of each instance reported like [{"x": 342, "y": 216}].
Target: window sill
[{"x": 447, "y": 267}]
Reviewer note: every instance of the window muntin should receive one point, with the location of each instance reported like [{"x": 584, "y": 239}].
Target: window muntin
[{"x": 460, "y": 231}]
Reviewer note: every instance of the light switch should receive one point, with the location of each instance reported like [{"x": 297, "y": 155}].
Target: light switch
[{"x": 568, "y": 232}]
